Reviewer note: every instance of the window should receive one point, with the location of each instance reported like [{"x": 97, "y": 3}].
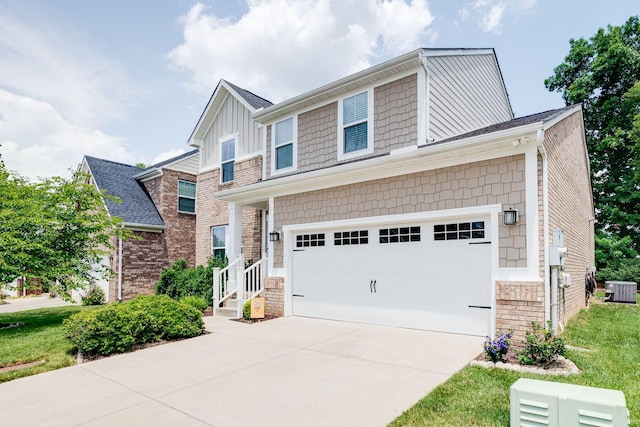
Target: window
[
  {"x": 400, "y": 235},
  {"x": 307, "y": 240},
  {"x": 459, "y": 231},
  {"x": 186, "y": 197},
  {"x": 355, "y": 133},
  {"x": 227, "y": 157},
  {"x": 344, "y": 238},
  {"x": 283, "y": 141},
  {"x": 218, "y": 239}
]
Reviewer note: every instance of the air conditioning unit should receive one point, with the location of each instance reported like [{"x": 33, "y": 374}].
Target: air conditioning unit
[
  {"x": 621, "y": 291},
  {"x": 544, "y": 403}
]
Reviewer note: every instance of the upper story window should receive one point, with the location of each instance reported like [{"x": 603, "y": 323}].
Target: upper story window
[
  {"x": 355, "y": 127},
  {"x": 227, "y": 157},
  {"x": 283, "y": 152},
  {"x": 186, "y": 196}
]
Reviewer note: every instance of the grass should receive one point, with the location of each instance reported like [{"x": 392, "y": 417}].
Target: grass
[
  {"x": 478, "y": 396},
  {"x": 41, "y": 338}
]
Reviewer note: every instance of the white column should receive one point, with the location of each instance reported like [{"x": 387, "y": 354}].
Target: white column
[{"x": 234, "y": 243}]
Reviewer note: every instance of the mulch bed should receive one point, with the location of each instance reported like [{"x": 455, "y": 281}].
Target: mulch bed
[
  {"x": 243, "y": 320},
  {"x": 560, "y": 366}
]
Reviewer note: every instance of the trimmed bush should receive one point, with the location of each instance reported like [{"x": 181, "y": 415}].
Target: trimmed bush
[
  {"x": 541, "y": 346},
  {"x": 198, "y": 303},
  {"x": 94, "y": 296},
  {"x": 179, "y": 281},
  {"x": 119, "y": 327}
]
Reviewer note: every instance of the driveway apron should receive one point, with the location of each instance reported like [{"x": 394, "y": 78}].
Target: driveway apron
[{"x": 284, "y": 372}]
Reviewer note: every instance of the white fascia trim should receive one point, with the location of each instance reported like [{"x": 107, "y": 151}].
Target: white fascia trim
[
  {"x": 134, "y": 226},
  {"x": 380, "y": 167},
  {"x": 336, "y": 87},
  {"x": 148, "y": 174},
  {"x": 555, "y": 120},
  {"x": 294, "y": 166}
]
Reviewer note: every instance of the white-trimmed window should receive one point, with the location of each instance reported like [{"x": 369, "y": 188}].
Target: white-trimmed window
[
  {"x": 227, "y": 159},
  {"x": 186, "y": 196},
  {"x": 283, "y": 154},
  {"x": 355, "y": 130},
  {"x": 218, "y": 241}
]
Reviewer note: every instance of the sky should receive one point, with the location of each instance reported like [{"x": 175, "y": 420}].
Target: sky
[{"x": 128, "y": 80}]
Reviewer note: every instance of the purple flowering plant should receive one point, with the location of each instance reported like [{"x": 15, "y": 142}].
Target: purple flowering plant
[{"x": 497, "y": 348}]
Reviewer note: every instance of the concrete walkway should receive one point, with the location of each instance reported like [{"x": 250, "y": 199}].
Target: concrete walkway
[
  {"x": 284, "y": 372},
  {"x": 31, "y": 303}
]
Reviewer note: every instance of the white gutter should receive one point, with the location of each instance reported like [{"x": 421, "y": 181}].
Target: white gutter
[
  {"x": 134, "y": 226},
  {"x": 545, "y": 220}
]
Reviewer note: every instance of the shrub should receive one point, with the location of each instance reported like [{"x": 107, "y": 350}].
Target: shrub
[
  {"x": 498, "y": 348},
  {"x": 246, "y": 310},
  {"x": 179, "y": 281},
  {"x": 198, "y": 303},
  {"x": 94, "y": 296},
  {"x": 541, "y": 346},
  {"x": 119, "y": 327}
]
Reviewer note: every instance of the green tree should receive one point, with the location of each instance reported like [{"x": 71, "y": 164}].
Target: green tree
[
  {"x": 601, "y": 73},
  {"x": 56, "y": 229}
]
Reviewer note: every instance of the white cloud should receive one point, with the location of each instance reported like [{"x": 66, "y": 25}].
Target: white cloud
[
  {"x": 489, "y": 14},
  {"x": 37, "y": 140},
  {"x": 167, "y": 155},
  {"x": 281, "y": 48}
]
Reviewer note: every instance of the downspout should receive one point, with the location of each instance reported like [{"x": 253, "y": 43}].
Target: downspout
[
  {"x": 427, "y": 115},
  {"x": 120, "y": 268},
  {"x": 545, "y": 222}
]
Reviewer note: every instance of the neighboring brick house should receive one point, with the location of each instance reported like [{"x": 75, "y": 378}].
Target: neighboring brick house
[
  {"x": 389, "y": 189},
  {"x": 158, "y": 204}
]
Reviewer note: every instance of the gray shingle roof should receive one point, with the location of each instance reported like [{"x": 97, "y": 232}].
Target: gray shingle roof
[
  {"x": 254, "y": 100},
  {"x": 116, "y": 180},
  {"x": 520, "y": 121}
]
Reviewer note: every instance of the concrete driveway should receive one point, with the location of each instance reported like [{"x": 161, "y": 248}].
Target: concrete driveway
[{"x": 284, "y": 372}]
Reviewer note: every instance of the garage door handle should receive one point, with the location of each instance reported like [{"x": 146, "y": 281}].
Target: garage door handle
[
  {"x": 374, "y": 286},
  {"x": 371, "y": 286}
]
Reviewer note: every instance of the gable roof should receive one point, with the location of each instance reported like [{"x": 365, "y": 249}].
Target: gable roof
[
  {"x": 250, "y": 100},
  {"x": 116, "y": 179},
  {"x": 156, "y": 169},
  {"x": 371, "y": 75}
]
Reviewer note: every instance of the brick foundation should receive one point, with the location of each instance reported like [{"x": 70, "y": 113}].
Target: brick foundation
[
  {"x": 274, "y": 296},
  {"x": 517, "y": 305}
]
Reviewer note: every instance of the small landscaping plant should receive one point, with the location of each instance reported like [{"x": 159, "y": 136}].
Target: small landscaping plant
[
  {"x": 196, "y": 302},
  {"x": 497, "y": 349},
  {"x": 246, "y": 310},
  {"x": 179, "y": 281},
  {"x": 541, "y": 346},
  {"x": 94, "y": 296},
  {"x": 120, "y": 327}
]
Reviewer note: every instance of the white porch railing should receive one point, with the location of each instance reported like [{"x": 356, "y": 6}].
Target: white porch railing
[{"x": 234, "y": 277}]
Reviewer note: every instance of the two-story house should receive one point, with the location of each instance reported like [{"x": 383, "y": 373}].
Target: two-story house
[
  {"x": 158, "y": 204},
  {"x": 405, "y": 194}
]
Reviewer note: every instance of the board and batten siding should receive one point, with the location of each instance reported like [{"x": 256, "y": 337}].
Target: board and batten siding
[
  {"x": 233, "y": 117},
  {"x": 466, "y": 92}
]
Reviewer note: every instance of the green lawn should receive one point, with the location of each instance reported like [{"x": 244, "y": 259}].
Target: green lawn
[
  {"x": 41, "y": 338},
  {"x": 478, "y": 396}
]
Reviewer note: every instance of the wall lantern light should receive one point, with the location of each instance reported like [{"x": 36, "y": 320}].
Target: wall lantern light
[
  {"x": 274, "y": 236},
  {"x": 510, "y": 216}
]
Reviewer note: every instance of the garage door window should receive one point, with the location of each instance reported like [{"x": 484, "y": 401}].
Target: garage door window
[
  {"x": 309, "y": 240},
  {"x": 400, "y": 235},
  {"x": 343, "y": 238},
  {"x": 459, "y": 231}
]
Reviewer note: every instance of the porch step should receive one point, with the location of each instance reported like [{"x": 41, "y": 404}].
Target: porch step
[{"x": 229, "y": 309}]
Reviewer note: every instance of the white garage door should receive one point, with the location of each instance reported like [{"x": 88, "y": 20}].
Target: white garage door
[{"x": 432, "y": 275}]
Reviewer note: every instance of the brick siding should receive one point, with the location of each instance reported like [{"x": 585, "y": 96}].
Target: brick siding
[
  {"x": 212, "y": 212},
  {"x": 274, "y": 296},
  {"x": 517, "y": 305}
]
